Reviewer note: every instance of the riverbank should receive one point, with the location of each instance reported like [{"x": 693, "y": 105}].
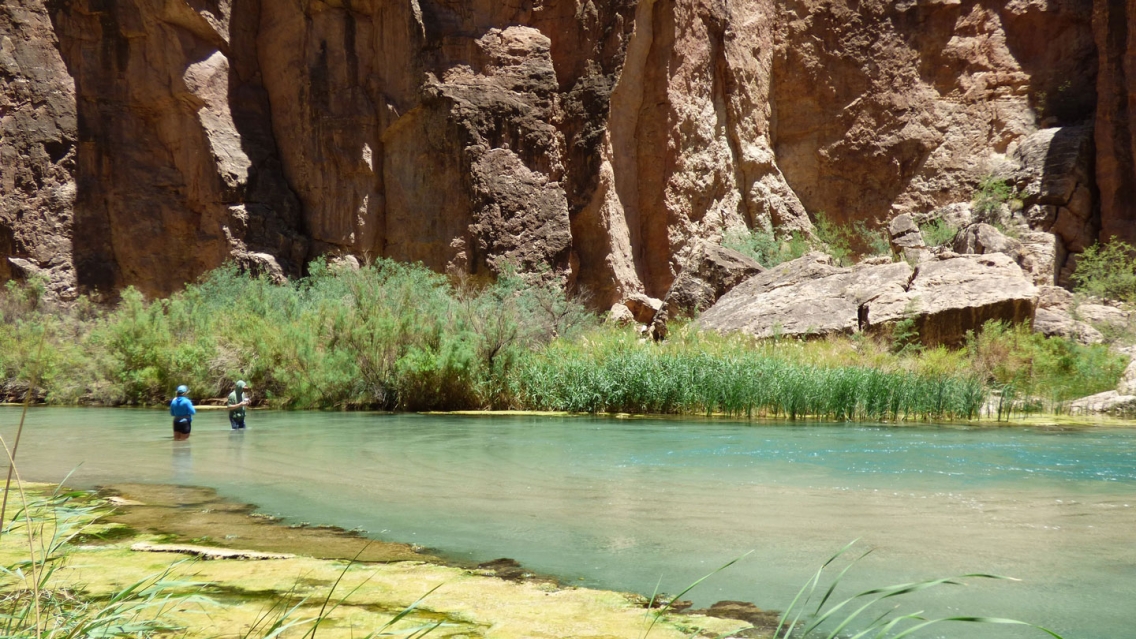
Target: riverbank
[
  {"x": 397, "y": 337},
  {"x": 131, "y": 533}
]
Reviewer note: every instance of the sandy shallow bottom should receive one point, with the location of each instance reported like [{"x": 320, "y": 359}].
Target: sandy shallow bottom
[{"x": 235, "y": 598}]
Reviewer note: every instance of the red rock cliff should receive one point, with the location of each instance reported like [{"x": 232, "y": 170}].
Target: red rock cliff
[{"x": 146, "y": 141}]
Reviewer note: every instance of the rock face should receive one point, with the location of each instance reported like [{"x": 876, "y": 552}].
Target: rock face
[
  {"x": 711, "y": 272},
  {"x": 886, "y": 107},
  {"x": 595, "y": 143},
  {"x": 944, "y": 297},
  {"x": 176, "y": 167},
  {"x": 37, "y": 149},
  {"x": 1114, "y": 25},
  {"x": 1054, "y": 178}
]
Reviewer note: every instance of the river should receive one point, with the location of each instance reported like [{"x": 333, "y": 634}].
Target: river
[{"x": 628, "y": 504}]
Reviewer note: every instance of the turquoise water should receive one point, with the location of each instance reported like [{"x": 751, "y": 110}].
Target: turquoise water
[{"x": 624, "y": 504}]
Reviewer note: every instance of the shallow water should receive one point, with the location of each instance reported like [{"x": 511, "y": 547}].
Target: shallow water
[{"x": 624, "y": 504}]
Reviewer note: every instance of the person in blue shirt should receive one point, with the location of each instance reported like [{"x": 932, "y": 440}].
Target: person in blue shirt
[{"x": 183, "y": 411}]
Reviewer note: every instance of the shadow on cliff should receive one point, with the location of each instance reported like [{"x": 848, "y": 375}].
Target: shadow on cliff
[{"x": 153, "y": 208}]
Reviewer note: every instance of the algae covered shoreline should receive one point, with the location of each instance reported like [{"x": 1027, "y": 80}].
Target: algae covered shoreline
[{"x": 368, "y": 583}]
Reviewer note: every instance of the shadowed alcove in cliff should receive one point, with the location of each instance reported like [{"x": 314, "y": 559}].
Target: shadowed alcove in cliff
[{"x": 175, "y": 169}]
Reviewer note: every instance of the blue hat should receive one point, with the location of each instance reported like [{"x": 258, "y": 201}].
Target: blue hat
[{"x": 183, "y": 389}]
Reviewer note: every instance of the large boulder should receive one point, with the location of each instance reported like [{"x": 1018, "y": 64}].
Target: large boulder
[
  {"x": 806, "y": 296},
  {"x": 711, "y": 272},
  {"x": 955, "y": 294},
  {"x": 1035, "y": 251},
  {"x": 907, "y": 240},
  {"x": 1109, "y": 403},
  {"x": 643, "y": 307},
  {"x": 1103, "y": 315},
  {"x": 945, "y": 297},
  {"x": 1052, "y": 322}
]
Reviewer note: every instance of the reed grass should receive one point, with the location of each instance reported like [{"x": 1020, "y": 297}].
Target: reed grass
[
  {"x": 817, "y": 612},
  {"x": 859, "y": 615},
  {"x": 624, "y": 375}
]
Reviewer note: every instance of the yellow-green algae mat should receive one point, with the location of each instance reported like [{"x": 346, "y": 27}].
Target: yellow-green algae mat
[{"x": 227, "y": 598}]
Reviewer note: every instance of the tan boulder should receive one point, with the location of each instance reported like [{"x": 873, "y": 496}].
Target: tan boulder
[
  {"x": 620, "y": 314},
  {"x": 1109, "y": 403},
  {"x": 1054, "y": 297},
  {"x": 643, "y": 307},
  {"x": 803, "y": 297},
  {"x": 949, "y": 297},
  {"x": 1103, "y": 315},
  {"x": 1053, "y": 322},
  {"x": 1127, "y": 385},
  {"x": 1035, "y": 258}
]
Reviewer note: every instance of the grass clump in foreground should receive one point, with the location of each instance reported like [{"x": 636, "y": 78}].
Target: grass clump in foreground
[{"x": 399, "y": 337}]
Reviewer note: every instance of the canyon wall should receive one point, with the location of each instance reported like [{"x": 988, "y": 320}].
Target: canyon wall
[{"x": 590, "y": 142}]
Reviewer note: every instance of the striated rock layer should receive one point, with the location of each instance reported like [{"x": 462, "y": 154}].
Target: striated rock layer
[{"x": 598, "y": 143}]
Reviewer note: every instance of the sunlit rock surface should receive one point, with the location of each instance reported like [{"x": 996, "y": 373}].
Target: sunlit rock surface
[{"x": 595, "y": 144}]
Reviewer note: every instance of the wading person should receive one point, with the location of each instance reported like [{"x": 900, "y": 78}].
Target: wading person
[
  {"x": 182, "y": 411},
  {"x": 236, "y": 403}
]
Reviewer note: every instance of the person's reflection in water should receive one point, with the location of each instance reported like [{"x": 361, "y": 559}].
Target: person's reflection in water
[
  {"x": 182, "y": 463},
  {"x": 237, "y": 448}
]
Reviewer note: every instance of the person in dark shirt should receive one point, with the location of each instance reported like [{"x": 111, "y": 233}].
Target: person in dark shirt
[
  {"x": 236, "y": 403},
  {"x": 183, "y": 411}
]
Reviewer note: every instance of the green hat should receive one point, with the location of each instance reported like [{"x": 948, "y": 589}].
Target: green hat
[{"x": 241, "y": 384}]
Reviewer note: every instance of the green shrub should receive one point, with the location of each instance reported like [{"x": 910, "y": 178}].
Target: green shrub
[
  {"x": 388, "y": 335},
  {"x": 1108, "y": 271},
  {"x": 836, "y": 240},
  {"x": 764, "y": 247},
  {"x": 874, "y": 240},
  {"x": 905, "y": 337},
  {"x": 1050, "y": 369},
  {"x": 991, "y": 194},
  {"x": 841, "y": 242},
  {"x": 938, "y": 232}
]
